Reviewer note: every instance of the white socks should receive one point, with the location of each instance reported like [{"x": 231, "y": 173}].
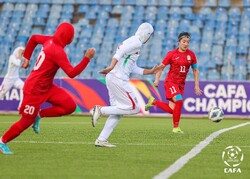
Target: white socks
[
  {"x": 114, "y": 110},
  {"x": 1, "y": 142},
  {"x": 109, "y": 126}
]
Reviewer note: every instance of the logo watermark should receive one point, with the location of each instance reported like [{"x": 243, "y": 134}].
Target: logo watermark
[{"x": 232, "y": 156}]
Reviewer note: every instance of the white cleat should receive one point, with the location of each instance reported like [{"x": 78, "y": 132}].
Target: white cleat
[
  {"x": 99, "y": 143},
  {"x": 96, "y": 114},
  {"x": 91, "y": 111}
]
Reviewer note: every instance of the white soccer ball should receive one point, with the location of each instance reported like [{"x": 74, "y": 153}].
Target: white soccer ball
[{"x": 216, "y": 114}]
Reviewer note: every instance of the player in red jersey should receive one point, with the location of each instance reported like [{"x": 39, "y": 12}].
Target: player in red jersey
[
  {"x": 39, "y": 87},
  {"x": 180, "y": 61}
]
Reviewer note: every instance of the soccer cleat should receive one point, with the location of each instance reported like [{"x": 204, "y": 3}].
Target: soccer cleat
[
  {"x": 96, "y": 114},
  {"x": 36, "y": 126},
  {"x": 150, "y": 103},
  {"x": 5, "y": 149},
  {"x": 91, "y": 111},
  {"x": 177, "y": 130},
  {"x": 99, "y": 143}
]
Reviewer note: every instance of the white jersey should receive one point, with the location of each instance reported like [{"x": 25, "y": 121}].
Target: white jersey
[
  {"x": 13, "y": 66},
  {"x": 127, "y": 55}
]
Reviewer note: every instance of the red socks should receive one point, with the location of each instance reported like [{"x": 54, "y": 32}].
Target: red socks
[
  {"x": 177, "y": 113},
  {"x": 16, "y": 129},
  {"x": 163, "y": 106}
]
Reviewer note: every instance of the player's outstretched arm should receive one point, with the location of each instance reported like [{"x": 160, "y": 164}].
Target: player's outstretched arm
[
  {"x": 150, "y": 71},
  {"x": 74, "y": 71},
  {"x": 159, "y": 70},
  {"x": 109, "y": 68},
  {"x": 197, "y": 89}
]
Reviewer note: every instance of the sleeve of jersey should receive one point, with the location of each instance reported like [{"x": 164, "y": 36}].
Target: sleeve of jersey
[
  {"x": 167, "y": 59},
  {"x": 71, "y": 71},
  {"x": 33, "y": 42},
  {"x": 138, "y": 70},
  {"x": 123, "y": 49},
  {"x": 194, "y": 62},
  {"x": 15, "y": 61}
]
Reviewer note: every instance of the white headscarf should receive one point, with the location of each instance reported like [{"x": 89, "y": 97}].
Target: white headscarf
[
  {"x": 16, "y": 51},
  {"x": 144, "y": 31}
]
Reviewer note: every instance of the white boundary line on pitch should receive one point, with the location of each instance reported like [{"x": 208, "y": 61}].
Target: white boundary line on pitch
[
  {"x": 91, "y": 143},
  {"x": 178, "y": 164}
]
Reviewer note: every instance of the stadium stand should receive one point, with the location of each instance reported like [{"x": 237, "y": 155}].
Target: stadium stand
[{"x": 220, "y": 31}]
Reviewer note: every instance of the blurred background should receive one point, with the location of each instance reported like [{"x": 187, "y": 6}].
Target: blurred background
[{"x": 220, "y": 31}]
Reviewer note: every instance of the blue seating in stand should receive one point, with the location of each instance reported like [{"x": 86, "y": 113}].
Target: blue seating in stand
[
  {"x": 117, "y": 2},
  {"x": 177, "y": 3},
  {"x": 224, "y": 3},
  {"x": 220, "y": 34},
  {"x": 189, "y": 3},
  {"x": 164, "y": 2},
  {"x": 70, "y": 2},
  {"x": 194, "y": 46},
  {"x": 205, "y": 11},
  {"x": 105, "y": 2},
  {"x": 242, "y": 50},
  {"x": 141, "y": 2},
  {"x": 39, "y": 21},
  {"x": 84, "y": 2},
  {"x": 214, "y": 75},
  {"x": 232, "y": 42},
  {"x": 46, "y": 2},
  {"x": 186, "y": 10},
  {"x": 33, "y": 1},
  {"x": 93, "y": 2},
  {"x": 130, "y": 2},
  {"x": 205, "y": 47},
  {"x": 246, "y": 3},
  {"x": 20, "y": 7},
  {"x": 217, "y": 54},
  {"x": 8, "y": 6},
  {"x": 219, "y": 37},
  {"x": 153, "y": 2},
  {"x": 244, "y": 40},
  {"x": 211, "y": 3}
]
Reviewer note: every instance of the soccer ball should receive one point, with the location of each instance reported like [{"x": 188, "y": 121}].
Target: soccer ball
[{"x": 216, "y": 114}]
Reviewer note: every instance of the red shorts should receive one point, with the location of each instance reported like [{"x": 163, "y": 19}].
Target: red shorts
[
  {"x": 31, "y": 103},
  {"x": 172, "y": 89}
]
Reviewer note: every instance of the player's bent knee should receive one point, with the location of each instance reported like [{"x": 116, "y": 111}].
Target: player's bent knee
[{"x": 70, "y": 109}]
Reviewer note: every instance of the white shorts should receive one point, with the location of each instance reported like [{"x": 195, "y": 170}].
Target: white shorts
[
  {"x": 120, "y": 93},
  {"x": 8, "y": 83}
]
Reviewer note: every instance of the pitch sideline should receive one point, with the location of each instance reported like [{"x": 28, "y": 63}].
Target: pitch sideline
[{"x": 178, "y": 164}]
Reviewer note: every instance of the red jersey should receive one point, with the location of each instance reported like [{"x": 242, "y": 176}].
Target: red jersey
[
  {"x": 50, "y": 59},
  {"x": 180, "y": 63}
]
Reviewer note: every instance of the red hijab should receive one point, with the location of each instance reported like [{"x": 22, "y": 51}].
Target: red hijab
[{"x": 64, "y": 34}]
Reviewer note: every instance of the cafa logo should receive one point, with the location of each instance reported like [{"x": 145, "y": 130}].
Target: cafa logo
[{"x": 232, "y": 156}]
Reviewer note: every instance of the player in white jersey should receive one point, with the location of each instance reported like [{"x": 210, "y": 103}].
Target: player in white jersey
[
  {"x": 12, "y": 79},
  {"x": 122, "y": 99}
]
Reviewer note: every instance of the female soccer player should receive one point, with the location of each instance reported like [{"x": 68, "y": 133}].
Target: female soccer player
[
  {"x": 12, "y": 78},
  {"x": 180, "y": 61},
  {"x": 39, "y": 87},
  {"x": 122, "y": 99}
]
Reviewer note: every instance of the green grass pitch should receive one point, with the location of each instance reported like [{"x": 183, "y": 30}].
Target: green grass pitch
[{"x": 145, "y": 147}]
